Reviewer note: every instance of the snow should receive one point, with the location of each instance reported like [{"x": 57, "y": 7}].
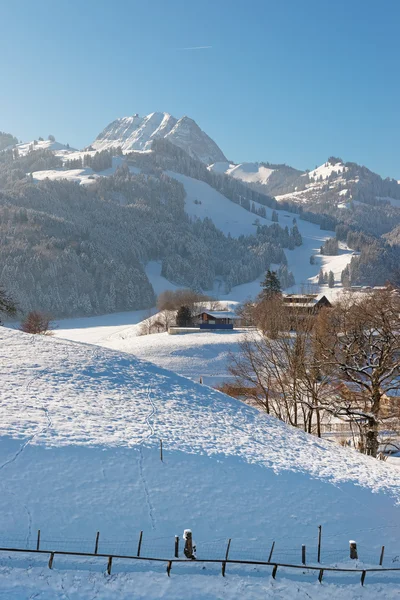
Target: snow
[
  {"x": 138, "y": 133},
  {"x": 327, "y": 169},
  {"x": 234, "y": 219},
  {"x": 81, "y": 176},
  {"x": 79, "y": 453},
  {"x": 202, "y": 354},
  {"x": 160, "y": 284},
  {"x": 248, "y": 172},
  {"x": 26, "y": 147},
  {"x": 257, "y": 584}
]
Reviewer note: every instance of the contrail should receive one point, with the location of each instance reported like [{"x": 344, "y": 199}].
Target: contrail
[{"x": 196, "y": 48}]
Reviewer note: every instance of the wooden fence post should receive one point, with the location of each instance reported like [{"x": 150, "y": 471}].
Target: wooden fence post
[
  {"x": 51, "y": 560},
  {"x": 169, "y": 566},
  {"x": 161, "y": 451},
  {"x": 109, "y": 565},
  {"x": 271, "y": 551},
  {"x": 382, "y": 554},
  {"x": 96, "y": 546},
  {"x": 353, "y": 550},
  {"x": 223, "y": 568},
  {"x": 140, "y": 543},
  {"x": 319, "y": 542},
  {"x": 38, "y": 540},
  {"x": 227, "y": 549},
  {"x": 274, "y": 570},
  {"x": 177, "y": 546},
  {"x": 363, "y": 574},
  {"x": 320, "y": 576},
  {"x": 303, "y": 554}
]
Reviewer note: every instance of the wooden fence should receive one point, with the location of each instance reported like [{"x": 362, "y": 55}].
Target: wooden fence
[{"x": 222, "y": 561}]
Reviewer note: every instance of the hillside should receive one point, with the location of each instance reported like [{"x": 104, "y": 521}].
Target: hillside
[
  {"x": 126, "y": 215},
  {"x": 147, "y": 194},
  {"x": 84, "y": 456}
]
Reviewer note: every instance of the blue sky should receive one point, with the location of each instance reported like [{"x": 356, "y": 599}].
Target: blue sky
[{"x": 290, "y": 81}]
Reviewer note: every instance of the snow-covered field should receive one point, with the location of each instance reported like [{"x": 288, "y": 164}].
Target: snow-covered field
[{"x": 79, "y": 453}]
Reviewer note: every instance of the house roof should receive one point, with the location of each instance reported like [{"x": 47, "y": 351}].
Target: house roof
[{"x": 220, "y": 314}]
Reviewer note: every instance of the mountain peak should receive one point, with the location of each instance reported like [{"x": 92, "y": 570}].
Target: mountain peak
[{"x": 138, "y": 133}]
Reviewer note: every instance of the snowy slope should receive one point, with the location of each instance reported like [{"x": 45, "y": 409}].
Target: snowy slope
[
  {"x": 56, "y": 147},
  {"x": 137, "y": 133},
  {"x": 248, "y": 172},
  {"x": 79, "y": 452},
  {"x": 234, "y": 219}
]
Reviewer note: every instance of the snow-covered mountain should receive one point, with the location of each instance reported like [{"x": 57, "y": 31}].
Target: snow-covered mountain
[{"x": 138, "y": 133}]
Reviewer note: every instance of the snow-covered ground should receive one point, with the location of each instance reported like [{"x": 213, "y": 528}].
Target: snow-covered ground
[
  {"x": 232, "y": 218},
  {"x": 248, "y": 172},
  {"x": 204, "y": 201},
  {"x": 79, "y": 453}
]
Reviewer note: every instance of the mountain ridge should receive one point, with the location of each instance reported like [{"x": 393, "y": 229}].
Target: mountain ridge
[{"x": 137, "y": 133}]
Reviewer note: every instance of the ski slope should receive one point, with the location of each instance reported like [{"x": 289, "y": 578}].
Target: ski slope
[
  {"x": 234, "y": 219},
  {"x": 79, "y": 453}
]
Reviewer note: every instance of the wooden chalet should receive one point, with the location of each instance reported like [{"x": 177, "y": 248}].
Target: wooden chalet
[{"x": 217, "y": 319}]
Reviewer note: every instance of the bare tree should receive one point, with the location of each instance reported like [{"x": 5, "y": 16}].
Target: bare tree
[
  {"x": 37, "y": 323},
  {"x": 358, "y": 344},
  {"x": 276, "y": 367}
]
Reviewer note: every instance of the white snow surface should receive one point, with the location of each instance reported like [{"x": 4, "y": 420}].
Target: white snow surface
[
  {"x": 56, "y": 147},
  {"x": 327, "y": 169},
  {"x": 248, "y": 172},
  {"x": 79, "y": 453},
  {"x": 138, "y": 133},
  {"x": 234, "y": 219}
]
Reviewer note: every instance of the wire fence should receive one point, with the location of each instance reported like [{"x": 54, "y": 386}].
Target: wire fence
[{"x": 240, "y": 549}]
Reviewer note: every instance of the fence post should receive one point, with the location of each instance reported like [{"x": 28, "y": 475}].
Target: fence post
[
  {"x": 320, "y": 576},
  {"x": 96, "y": 546},
  {"x": 51, "y": 560},
  {"x": 353, "y": 550},
  {"x": 140, "y": 543},
  {"x": 169, "y": 566},
  {"x": 227, "y": 549},
  {"x": 38, "y": 540},
  {"x": 363, "y": 574},
  {"x": 223, "y": 568},
  {"x": 271, "y": 551},
  {"x": 177, "y": 546},
  {"x": 274, "y": 570},
  {"x": 161, "y": 451},
  {"x": 303, "y": 554},
  {"x": 382, "y": 554},
  {"x": 109, "y": 565},
  {"x": 319, "y": 542}
]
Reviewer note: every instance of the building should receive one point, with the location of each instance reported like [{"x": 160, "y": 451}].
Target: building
[
  {"x": 217, "y": 319},
  {"x": 306, "y": 303}
]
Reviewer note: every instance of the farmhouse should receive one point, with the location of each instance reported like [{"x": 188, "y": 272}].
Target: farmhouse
[
  {"x": 306, "y": 303},
  {"x": 217, "y": 319}
]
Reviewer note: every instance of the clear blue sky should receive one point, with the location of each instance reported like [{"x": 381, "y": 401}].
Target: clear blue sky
[{"x": 290, "y": 81}]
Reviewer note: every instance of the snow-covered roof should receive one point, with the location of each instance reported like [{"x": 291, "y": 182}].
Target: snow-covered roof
[{"x": 220, "y": 314}]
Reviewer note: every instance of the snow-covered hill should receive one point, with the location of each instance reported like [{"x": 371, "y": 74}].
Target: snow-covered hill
[
  {"x": 137, "y": 133},
  {"x": 248, "y": 172},
  {"x": 79, "y": 450}
]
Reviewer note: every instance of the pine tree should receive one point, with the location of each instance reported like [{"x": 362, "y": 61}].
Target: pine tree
[
  {"x": 274, "y": 216},
  {"x": 7, "y": 305},
  {"x": 271, "y": 286},
  {"x": 320, "y": 277},
  {"x": 184, "y": 317},
  {"x": 331, "y": 279}
]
